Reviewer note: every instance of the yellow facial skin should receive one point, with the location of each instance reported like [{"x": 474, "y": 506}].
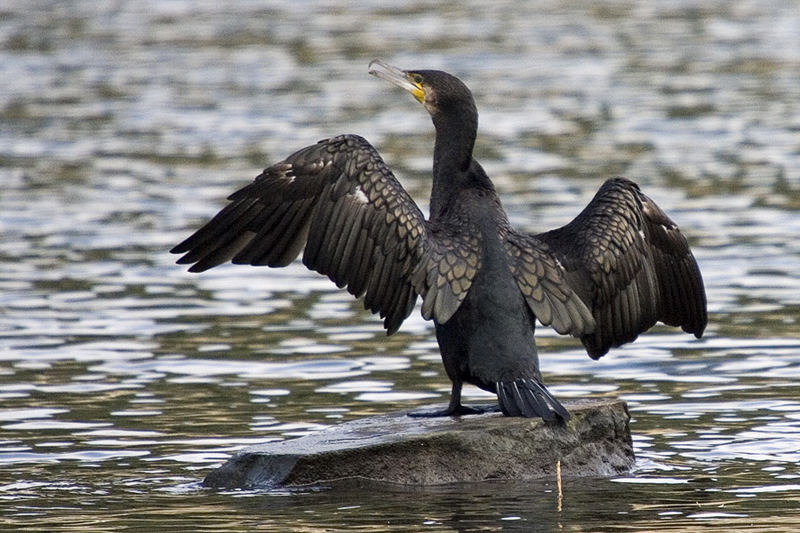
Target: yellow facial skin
[{"x": 418, "y": 92}]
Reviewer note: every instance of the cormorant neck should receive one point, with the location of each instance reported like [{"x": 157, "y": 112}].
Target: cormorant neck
[
  {"x": 455, "y": 139},
  {"x": 453, "y": 168}
]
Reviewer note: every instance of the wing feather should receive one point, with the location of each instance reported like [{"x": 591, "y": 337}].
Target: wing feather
[
  {"x": 543, "y": 283},
  {"x": 339, "y": 202},
  {"x": 630, "y": 265}
]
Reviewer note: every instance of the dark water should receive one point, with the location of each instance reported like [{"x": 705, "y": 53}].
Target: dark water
[{"x": 123, "y": 379}]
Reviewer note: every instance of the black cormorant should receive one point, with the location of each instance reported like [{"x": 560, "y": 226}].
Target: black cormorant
[{"x": 619, "y": 267}]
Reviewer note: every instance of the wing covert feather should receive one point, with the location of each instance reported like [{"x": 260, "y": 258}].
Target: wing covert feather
[{"x": 543, "y": 282}]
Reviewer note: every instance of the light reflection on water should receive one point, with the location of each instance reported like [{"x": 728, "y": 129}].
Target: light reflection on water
[{"x": 123, "y": 379}]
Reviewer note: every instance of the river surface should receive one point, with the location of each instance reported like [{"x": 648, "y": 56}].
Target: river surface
[{"x": 124, "y": 379}]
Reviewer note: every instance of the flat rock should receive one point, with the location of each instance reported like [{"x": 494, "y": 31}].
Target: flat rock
[{"x": 397, "y": 448}]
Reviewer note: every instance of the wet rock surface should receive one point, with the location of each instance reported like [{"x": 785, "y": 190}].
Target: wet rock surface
[{"x": 397, "y": 448}]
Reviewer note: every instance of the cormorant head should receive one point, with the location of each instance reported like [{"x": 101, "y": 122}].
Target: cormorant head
[{"x": 441, "y": 93}]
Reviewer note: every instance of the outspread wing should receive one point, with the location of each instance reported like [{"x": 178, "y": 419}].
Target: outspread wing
[
  {"x": 339, "y": 201},
  {"x": 630, "y": 265}
]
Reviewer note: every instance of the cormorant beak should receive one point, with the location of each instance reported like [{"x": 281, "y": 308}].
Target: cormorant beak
[{"x": 399, "y": 77}]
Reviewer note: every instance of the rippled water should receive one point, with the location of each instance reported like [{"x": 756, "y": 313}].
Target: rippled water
[{"x": 123, "y": 379}]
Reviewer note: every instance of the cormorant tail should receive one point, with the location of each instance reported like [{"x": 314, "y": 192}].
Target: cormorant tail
[{"x": 529, "y": 398}]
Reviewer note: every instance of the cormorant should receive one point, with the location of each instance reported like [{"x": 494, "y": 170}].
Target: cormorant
[{"x": 619, "y": 267}]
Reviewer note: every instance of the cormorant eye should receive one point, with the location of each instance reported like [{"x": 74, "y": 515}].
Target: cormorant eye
[{"x": 417, "y": 78}]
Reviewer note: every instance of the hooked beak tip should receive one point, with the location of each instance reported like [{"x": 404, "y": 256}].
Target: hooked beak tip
[
  {"x": 386, "y": 69},
  {"x": 396, "y": 76}
]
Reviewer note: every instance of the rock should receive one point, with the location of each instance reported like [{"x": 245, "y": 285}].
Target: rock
[{"x": 396, "y": 448}]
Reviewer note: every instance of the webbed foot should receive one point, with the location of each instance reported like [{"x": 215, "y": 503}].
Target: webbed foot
[{"x": 460, "y": 410}]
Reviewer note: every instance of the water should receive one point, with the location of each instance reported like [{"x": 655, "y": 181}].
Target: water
[{"x": 123, "y": 379}]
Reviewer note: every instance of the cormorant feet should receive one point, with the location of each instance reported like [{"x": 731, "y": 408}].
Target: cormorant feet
[{"x": 461, "y": 410}]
